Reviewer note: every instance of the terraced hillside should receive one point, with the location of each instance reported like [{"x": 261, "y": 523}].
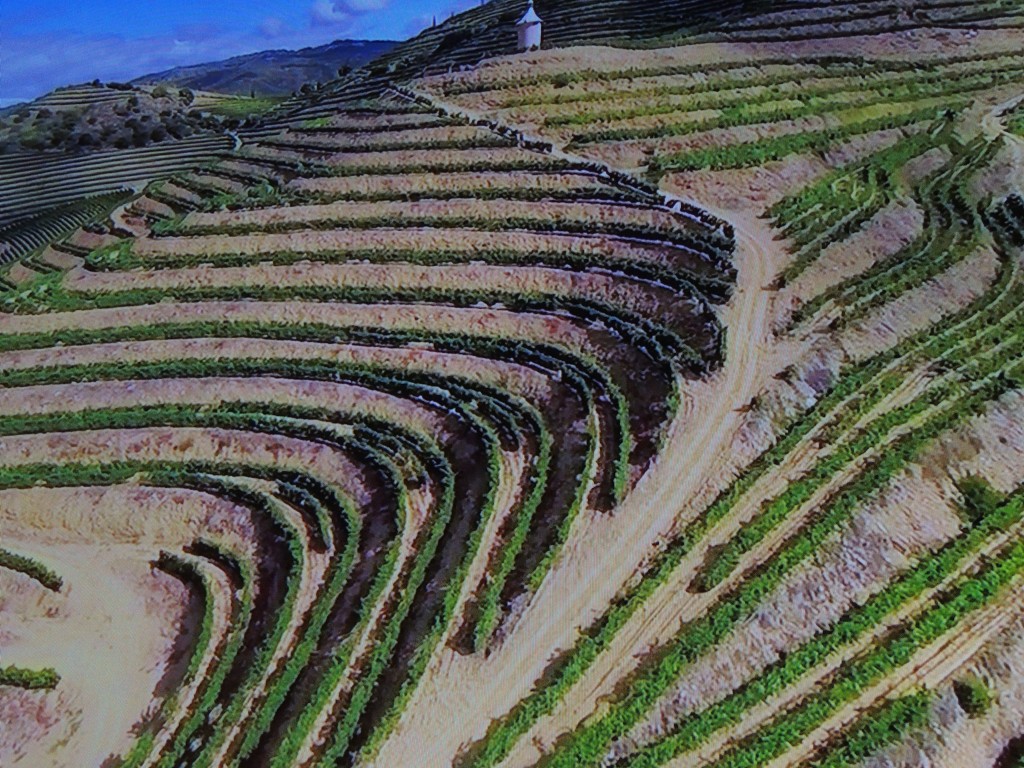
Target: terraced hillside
[
  {"x": 484, "y": 32},
  {"x": 592, "y": 407},
  {"x": 60, "y": 152}
]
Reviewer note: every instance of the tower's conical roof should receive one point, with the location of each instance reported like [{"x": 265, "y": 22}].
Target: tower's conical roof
[{"x": 530, "y": 17}]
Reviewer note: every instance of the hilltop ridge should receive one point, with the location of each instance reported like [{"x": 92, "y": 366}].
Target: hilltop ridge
[{"x": 273, "y": 72}]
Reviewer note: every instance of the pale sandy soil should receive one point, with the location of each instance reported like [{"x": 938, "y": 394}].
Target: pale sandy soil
[
  {"x": 689, "y": 606},
  {"x": 923, "y": 42},
  {"x": 953, "y": 738},
  {"x": 643, "y": 298},
  {"x": 509, "y": 376},
  {"x": 757, "y": 189},
  {"x": 147, "y": 205},
  {"x": 126, "y": 221},
  {"x": 932, "y": 667},
  {"x": 248, "y": 169},
  {"x": 785, "y": 399},
  {"x": 878, "y": 543},
  {"x": 170, "y": 444},
  {"x": 433, "y": 183},
  {"x": 668, "y": 619},
  {"x": 482, "y": 321},
  {"x": 508, "y": 497},
  {"x": 220, "y": 593},
  {"x": 922, "y": 307},
  {"x": 886, "y": 233},
  {"x": 60, "y": 259},
  {"x": 587, "y": 483},
  {"x": 220, "y": 183},
  {"x": 1002, "y": 176},
  {"x": 923, "y": 166},
  {"x": 19, "y": 274},
  {"x": 90, "y": 240},
  {"x": 507, "y": 494},
  {"x": 818, "y": 586},
  {"x": 210, "y": 392},
  {"x": 915, "y": 514},
  {"x": 207, "y": 392},
  {"x": 214, "y": 390},
  {"x": 32, "y": 718},
  {"x": 548, "y": 212},
  {"x": 349, "y": 242},
  {"x": 113, "y": 613},
  {"x": 312, "y": 574},
  {"x": 254, "y": 154},
  {"x": 907, "y": 679},
  {"x": 371, "y": 140},
  {"x": 367, "y": 633},
  {"x": 385, "y": 161},
  {"x": 169, "y": 188}
]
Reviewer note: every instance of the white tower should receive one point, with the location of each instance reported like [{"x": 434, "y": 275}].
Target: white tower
[{"x": 529, "y": 28}]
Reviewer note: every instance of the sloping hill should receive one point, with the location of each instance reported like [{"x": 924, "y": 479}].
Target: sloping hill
[
  {"x": 600, "y": 407},
  {"x": 273, "y": 73},
  {"x": 489, "y": 30},
  {"x": 90, "y": 117}
]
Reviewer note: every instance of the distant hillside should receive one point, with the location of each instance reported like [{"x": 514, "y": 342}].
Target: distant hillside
[
  {"x": 95, "y": 116},
  {"x": 489, "y": 30},
  {"x": 273, "y": 73}
]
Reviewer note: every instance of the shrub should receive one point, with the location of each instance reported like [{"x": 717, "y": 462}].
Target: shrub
[
  {"x": 29, "y": 679},
  {"x": 978, "y": 497},
  {"x": 31, "y": 568},
  {"x": 973, "y": 696}
]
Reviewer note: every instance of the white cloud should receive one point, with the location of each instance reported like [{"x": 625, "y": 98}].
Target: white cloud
[
  {"x": 363, "y": 6},
  {"x": 327, "y": 13},
  {"x": 344, "y": 12},
  {"x": 273, "y": 27}
]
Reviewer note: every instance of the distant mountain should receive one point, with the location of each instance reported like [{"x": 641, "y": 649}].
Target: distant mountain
[{"x": 273, "y": 73}]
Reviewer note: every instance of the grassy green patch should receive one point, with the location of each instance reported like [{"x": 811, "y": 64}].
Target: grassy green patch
[
  {"x": 29, "y": 679},
  {"x": 31, "y": 568},
  {"x": 242, "y": 107}
]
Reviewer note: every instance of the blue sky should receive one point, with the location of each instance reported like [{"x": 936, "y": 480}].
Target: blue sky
[{"x": 48, "y": 43}]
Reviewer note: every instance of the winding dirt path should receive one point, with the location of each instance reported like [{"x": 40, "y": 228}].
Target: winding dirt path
[{"x": 605, "y": 551}]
